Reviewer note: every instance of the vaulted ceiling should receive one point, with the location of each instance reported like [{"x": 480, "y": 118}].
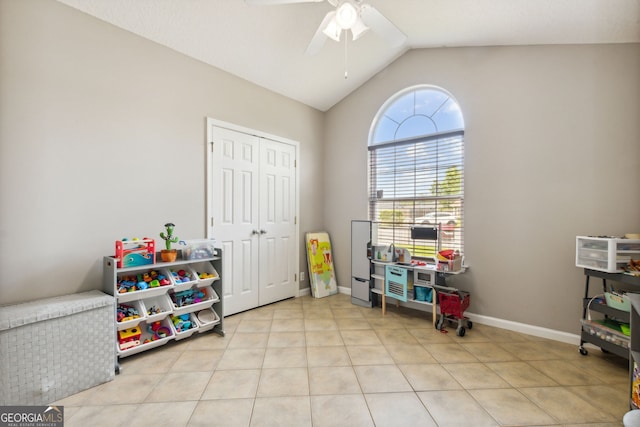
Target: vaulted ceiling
[{"x": 266, "y": 44}]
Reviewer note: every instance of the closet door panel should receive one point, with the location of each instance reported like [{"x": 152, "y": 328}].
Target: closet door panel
[{"x": 234, "y": 191}]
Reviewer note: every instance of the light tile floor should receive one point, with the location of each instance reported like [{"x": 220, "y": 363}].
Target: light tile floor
[{"x": 326, "y": 362}]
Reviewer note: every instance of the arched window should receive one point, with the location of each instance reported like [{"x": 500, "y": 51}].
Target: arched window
[{"x": 416, "y": 169}]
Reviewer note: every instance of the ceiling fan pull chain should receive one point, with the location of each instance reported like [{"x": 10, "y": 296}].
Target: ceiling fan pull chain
[{"x": 346, "y": 72}]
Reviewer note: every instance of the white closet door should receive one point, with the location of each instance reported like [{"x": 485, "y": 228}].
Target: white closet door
[
  {"x": 234, "y": 202},
  {"x": 278, "y": 243},
  {"x": 253, "y": 208}
]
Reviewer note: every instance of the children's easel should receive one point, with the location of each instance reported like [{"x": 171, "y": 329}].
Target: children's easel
[{"x": 321, "y": 271}]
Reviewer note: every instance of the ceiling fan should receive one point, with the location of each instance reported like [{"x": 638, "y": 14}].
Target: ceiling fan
[{"x": 354, "y": 15}]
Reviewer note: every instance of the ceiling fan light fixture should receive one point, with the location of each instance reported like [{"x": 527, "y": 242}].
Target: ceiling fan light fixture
[
  {"x": 358, "y": 29},
  {"x": 332, "y": 30},
  {"x": 346, "y": 15}
]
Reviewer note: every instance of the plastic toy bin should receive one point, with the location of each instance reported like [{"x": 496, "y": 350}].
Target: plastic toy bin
[
  {"x": 605, "y": 333},
  {"x": 206, "y": 273},
  {"x": 129, "y": 320},
  {"x": 199, "y": 249},
  {"x": 620, "y": 302},
  {"x": 207, "y": 319},
  {"x": 184, "y": 303},
  {"x": 183, "y": 277},
  {"x": 607, "y": 254},
  {"x": 146, "y": 338},
  {"x": 141, "y": 293},
  {"x": 55, "y": 347},
  {"x": 157, "y": 308},
  {"x": 184, "y": 332}
]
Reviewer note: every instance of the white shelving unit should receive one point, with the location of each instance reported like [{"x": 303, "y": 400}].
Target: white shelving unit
[{"x": 195, "y": 303}]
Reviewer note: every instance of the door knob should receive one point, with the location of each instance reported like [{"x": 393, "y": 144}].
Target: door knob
[
  {"x": 254, "y": 232},
  {"x": 263, "y": 231}
]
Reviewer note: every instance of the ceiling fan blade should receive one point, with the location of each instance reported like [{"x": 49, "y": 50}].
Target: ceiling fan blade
[
  {"x": 319, "y": 37},
  {"x": 380, "y": 25},
  {"x": 272, "y": 2}
]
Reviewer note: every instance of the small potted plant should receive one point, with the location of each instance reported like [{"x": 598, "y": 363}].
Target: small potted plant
[{"x": 168, "y": 254}]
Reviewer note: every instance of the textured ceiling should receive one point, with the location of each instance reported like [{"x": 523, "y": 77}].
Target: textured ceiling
[{"x": 266, "y": 44}]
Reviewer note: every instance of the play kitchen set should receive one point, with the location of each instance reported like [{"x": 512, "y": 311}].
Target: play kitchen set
[{"x": 390, "y": 271}]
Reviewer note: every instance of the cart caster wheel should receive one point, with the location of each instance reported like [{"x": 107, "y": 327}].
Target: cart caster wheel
[
  {"x": 461, "y": 332},
  {"x": 439, "y": 324},
  {"x": 583, "y": 351},
  {"x": 469, "y": 324}
]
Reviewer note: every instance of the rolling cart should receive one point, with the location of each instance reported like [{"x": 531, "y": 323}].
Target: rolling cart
[{"x": 453, "y": 303}]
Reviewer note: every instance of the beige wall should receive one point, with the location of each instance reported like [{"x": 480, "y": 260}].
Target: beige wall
[
  {"x": 552, "y": 151},
  {"x": 93, "y": 117},
  {"x": 93, "y": 120}
]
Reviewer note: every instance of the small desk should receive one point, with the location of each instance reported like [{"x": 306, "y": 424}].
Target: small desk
[{"x": 440, "y": 283}]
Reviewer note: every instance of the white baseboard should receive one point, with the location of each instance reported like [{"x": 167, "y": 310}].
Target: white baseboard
[
  {"x": 307, "y": 291},
  {"x": 304, "y": 291},
  {"x": 536, "y": 331}
]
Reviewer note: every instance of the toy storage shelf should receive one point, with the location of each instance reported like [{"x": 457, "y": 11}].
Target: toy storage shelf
[
  {"x": 601, "y": 337},
  {"x": 202, "y": 304}
]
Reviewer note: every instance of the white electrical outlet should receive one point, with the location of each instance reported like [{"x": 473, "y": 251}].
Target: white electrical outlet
[{"x": 302, "y": 276}]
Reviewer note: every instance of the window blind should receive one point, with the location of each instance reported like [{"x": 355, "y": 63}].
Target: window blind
[{"x": 418, "y": 182}]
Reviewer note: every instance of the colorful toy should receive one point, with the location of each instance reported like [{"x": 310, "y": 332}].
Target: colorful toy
[
  {"x": 154, "y": 309},
  {"x": 182, "y": 322},
  {"x": 635, "y": 385},
  {"x": 168, "y": 237},
  {"x": 205, "y": 275},
  {"x": 124, "y": 313},
  {"x": 153, "y": 327},
  {"x": 168, "y": 254},
  {"x": 162, "y": 332},
  {"x": 157, "y": 331},
  {"x": 135, "y": 252},
  {"x": 449, "y": 260},
  {"x": 182, "y": 276},
  {"x": 187, "y": 297},
  {"x": 129, "y": 338},
  {"x": 142, "y": 281},
  {"x": 452, "y": 307}
]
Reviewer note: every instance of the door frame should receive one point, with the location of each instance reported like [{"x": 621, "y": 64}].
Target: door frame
[{"x": 209, "y": 220}]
